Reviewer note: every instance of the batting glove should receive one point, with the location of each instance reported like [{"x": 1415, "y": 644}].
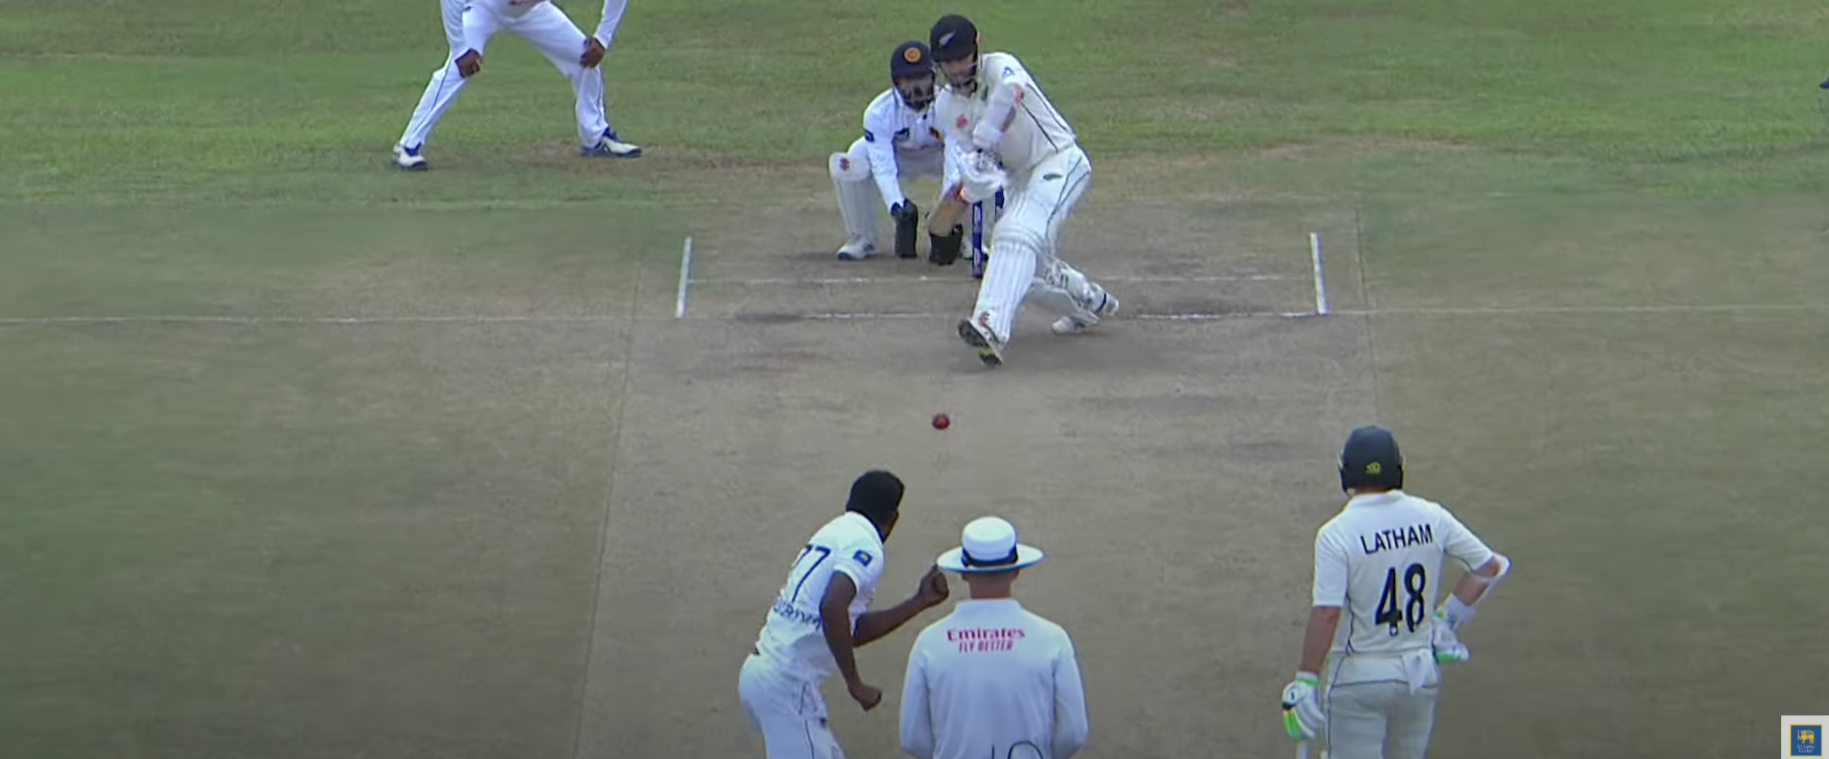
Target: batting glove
[
  {"x": 1448, "y": 648},
  {"x": 1303, "y": 718},
  {"x": 981, "y": 178}
]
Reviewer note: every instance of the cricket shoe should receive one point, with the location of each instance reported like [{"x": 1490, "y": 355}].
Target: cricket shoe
[
  {"x": 610, "y": 146},
  {"x": 1085, "y": 320},
  {"x": 856, "y": 249},
  {"x": 977, "y": 333},
  {"x": 408, "y": 159}
]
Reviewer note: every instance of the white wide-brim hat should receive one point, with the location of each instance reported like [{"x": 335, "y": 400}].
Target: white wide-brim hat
[{"x": 989, "y": 545}]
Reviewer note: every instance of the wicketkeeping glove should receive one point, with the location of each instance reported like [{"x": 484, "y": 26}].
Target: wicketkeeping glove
[
  {"x": 907, "y": 228},
  {"x": 1303, "y": 718}
]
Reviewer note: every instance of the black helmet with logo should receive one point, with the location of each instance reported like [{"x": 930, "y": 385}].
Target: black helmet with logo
[
  {"x": 1370, "y": 458},
  {"x": 911, "y": 72},
  {"x": 953, "y": 38}
]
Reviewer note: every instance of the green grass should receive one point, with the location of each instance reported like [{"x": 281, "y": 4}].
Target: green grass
[{"x": 291, "y": 538}]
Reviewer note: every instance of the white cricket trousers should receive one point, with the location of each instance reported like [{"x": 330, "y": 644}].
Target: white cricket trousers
[
  {"x": 789, "y": 712},
  {"x": 908, "y": 163},
  {"x": 860, "y": 183},
  {"x": 544, "y": 26},
  {"x": 1382, "y": 707},
  {"x": 1024, "y": 242}
]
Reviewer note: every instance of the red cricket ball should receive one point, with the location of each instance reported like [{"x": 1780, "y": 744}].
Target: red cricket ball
[{"x": 941, "y": 422}]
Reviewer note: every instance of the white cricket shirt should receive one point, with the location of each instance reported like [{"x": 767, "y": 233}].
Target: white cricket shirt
[
  {"x": 993, "y": 679},
  {"x": 793, "y": 638},
  {"x": 1036, "y": 130},
  {"x": 891, "y": 126},
  {"x": 1380, "y": 561}
]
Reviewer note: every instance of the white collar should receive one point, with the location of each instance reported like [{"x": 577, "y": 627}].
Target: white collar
[{"x": 1374, "y": 499}]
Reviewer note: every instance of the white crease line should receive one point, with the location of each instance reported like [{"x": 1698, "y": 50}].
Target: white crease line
[
  {"x": 1314, "y": 249},
  {"x": 897, "y": 316},
  {"x": 923, "y": 279},
  {"x": 679, "y": 309},
  {"x": 29, "y": 321},
  {"x": 46, "y": 321},
  {"x": 1675, "y": 308}
]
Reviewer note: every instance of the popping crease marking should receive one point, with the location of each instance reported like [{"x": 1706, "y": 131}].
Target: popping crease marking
[
  {"x": 1470, "y": 311},
  {"x": 925, "y": 279}
]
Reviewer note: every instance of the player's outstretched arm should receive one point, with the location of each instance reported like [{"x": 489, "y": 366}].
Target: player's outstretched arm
[
  {"x": 611, "y": 18},
  {"x": 835, "y": 619},
  {"x": 876, "y": 624}
]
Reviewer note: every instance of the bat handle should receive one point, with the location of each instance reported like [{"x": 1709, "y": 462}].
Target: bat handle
[
  {"x": 978, "y": 239},
  {"x": 1302, "y": 750}
]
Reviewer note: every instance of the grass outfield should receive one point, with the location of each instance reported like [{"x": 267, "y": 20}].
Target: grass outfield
[{"x": 307, "y": 457}]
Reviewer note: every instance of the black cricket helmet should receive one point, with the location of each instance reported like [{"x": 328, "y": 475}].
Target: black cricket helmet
[
  {"x": 911, "y": 72},
  {"x": 955, "y": 37},
  {"x": 1370, "y": 458}
]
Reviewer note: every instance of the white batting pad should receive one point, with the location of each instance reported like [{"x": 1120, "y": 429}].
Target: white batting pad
[
  {"x": 857, "y": 203},
  {"x": 847, "y": 169}
]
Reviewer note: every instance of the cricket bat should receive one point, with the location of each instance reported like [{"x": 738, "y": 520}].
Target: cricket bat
[{"x": 950, "y": 212}]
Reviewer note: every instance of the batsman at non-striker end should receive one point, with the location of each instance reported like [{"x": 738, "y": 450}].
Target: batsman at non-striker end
[{"x": 1378, "y": 567}]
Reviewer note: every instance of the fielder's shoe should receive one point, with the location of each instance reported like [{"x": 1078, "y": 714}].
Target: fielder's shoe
[
  {"x": 610, "y": 146},
  {"x": 977, "y": 333},
  {"x": 1077, "y": 323},
  {"x": 408, "y": 159},
  {"x": 856, "y": 249}
]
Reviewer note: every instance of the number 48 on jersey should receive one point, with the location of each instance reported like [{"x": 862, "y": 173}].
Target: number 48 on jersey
[{"x": 1414, "y": 607}]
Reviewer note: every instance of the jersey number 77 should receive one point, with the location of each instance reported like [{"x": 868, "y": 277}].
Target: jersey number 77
[
  {"x": 1413, "y": 608},
  {"x": 822, "y": 552}
]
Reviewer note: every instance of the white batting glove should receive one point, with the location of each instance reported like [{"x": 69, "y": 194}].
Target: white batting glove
[
  {"x": 1303, "y": 718},
  {"x": 980, "y": 177},
  {"x": 978, "y": 192},
  {"x": 1448, "y": 648}
]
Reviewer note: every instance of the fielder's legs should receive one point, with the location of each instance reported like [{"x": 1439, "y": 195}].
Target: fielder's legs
[
  {"x": 858, "y": 199},
  {"x": 790, "y": 713},
  {"x": 442, "y": 91},
  {"x": 553, "y": 33}
]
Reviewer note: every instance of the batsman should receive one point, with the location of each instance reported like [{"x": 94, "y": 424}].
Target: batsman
[
  {"x": 1378, "y": 568},
  {"x": 1009, "y": 138}
]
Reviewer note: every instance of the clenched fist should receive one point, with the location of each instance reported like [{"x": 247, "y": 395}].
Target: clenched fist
[
  {"x": 469, "y": 63},
  {"x": 934, "y": 590},
  {"x": 593, "y": 53}
]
